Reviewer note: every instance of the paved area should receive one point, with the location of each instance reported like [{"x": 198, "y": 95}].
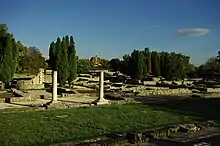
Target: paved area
[{"x": 77, "y": 99}]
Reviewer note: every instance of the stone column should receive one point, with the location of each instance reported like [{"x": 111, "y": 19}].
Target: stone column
[
  {"x": 101, "y": 85},
  {"x": 54, "y": 93}
]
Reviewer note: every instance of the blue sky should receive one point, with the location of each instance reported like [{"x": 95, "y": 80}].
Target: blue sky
[{"x": 111, "y": 28}]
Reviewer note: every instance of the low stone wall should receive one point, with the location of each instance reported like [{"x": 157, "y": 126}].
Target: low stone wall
[
  {"x": 22, "y": 99},
  {"x": 152, "y": 83},
  {"x": 164, "y": 92},
  {"x": 27, "y": 84},
  {"x": 213, "y": 89}
]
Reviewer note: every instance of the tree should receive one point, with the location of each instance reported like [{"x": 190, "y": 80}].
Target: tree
[
  {"x": 8, "y": 55},
  {"x": 84, "y": 65},
  {"x": 31, "y": 61},
  {"x": 115, "y": 64},
  {"x": 177, "y": 65},
  {"x": 62, "y": 57},
  {"x": 137, "y": 64},
  {"x": 72, "y": 60},
  {"x": 62, "y": 61},
  {"x": 155, "y": 63},
  {"x": 104, "y": 63},
  {"x": 52, "y": 56},
  {"x": 124, "y": 66},
  {"x": 209, "y": 69},
  {"x": 21, "y": 49},
  {"x": 146, "y": 60}
]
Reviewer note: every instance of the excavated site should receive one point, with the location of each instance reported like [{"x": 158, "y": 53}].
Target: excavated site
[{"x": 34, "y": 92}]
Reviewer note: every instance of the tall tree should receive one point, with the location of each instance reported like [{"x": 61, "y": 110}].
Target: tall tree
[
  {"x": 52, "y": 56},
  {"x": 137, "y": 64},
  {"x": 124, "y": 66},
  {"x": 62, "y": 59},
  {"x": 72, "y": 60},
  {"x": 146, "y": 60},
  {"x": 59, "y": 66},
  {"x": 8, "y": 55},
  {"x": 155, "y": 63}
]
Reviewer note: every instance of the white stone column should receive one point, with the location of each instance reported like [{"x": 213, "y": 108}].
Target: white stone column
[
  {"x": 54, "y": 93},
  {"x": 101, "y": 85}
]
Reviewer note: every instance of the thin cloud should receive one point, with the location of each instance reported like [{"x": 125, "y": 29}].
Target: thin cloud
[
  {"x": 193, "y": 31},
  {"x": 152, "y": 26}
]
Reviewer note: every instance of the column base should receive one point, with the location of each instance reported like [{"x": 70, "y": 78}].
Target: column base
[
  {"x": 52, "y": 104},
  {"x": 102, "y": 102}
]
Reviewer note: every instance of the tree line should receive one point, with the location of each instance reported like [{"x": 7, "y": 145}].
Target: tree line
[{"x": 138, "y": 64}]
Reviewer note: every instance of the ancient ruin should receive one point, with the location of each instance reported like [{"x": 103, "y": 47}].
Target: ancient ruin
[{"x": 30, "y": 82}]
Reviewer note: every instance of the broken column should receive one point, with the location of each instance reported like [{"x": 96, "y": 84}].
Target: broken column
[{"x": 54, "y": 93}]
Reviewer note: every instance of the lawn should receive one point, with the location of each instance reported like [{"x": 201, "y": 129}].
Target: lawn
[{"x": 52, "y": 126}]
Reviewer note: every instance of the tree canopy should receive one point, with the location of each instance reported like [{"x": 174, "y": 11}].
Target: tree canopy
[
  {"x": 31, "y": 61},
  {"x": 140, "y": 63}
]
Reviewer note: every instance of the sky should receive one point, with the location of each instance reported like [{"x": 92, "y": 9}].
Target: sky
[{"x": 112, "y": 28}]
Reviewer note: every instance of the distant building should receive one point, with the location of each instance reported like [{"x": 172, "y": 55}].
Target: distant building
[{"x": 96, "y": 60}]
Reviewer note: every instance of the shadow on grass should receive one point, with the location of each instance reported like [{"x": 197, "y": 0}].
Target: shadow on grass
[
  {"x": 204, "y": 108},
  {"x": 213, "y": 141}
]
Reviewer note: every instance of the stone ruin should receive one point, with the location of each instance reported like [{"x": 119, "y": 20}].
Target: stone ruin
[
  {"x": 116, "y": 82},
  {"x": 30, "y": 82}
]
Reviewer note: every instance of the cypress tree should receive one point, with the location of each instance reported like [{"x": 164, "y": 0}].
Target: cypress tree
[
  {"x": 8, "y": 55},
  {"x": 67, "y": 42},
  {"x": 52, "y": 55},
  {"x": 137, "y": 64},
  {"x": 153, "y": 62},
  {"x": 63, "y": 59},
  {"x": 146, "y": 60},
  {"x": 58, "y": 61},
  {"x": 157, "y": 64},
  {"x": 72, "y": 60},
  {"x": 149, "y": 62},
  {"x": 63, "y": 65}
]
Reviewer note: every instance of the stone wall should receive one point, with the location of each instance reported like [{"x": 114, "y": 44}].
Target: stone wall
[
  {"x": 32, "y": 83},
  {"x": 28, "y": 84},
  {"x": 164, "y": 92},
  {"x": 213, "y": 89},
  {"x": 47, "y": 78},
  {"x": 152, "y": 83}
]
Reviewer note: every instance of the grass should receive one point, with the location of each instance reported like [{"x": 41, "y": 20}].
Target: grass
[{"x": 44, "y": 127}]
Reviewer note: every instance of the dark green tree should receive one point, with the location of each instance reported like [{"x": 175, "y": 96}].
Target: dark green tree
[
  {"x": 62, "y": 57},
  {"x": 72, "y": 60},
  {"x": 52, "y": 56},
  {"x": 8, "y": 55},
  {"x": 146, "y": 60},
  {"x": 63, "y": 65},
  {"x": 155, "y": 63},
  {"x": 137, "y": 64},
  {"x": 115, "y": 64}
]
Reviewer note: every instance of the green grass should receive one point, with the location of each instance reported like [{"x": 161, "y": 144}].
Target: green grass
[{"x": 43, "y": 127}]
